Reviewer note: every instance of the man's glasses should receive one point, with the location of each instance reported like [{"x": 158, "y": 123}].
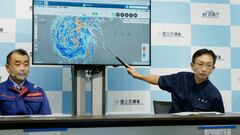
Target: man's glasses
[{"x": 201, "y": 65}]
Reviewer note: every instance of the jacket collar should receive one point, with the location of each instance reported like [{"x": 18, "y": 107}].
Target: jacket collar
[{"x": 14, "y": 86}]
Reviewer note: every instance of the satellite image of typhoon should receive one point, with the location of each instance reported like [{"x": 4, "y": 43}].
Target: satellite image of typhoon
[{"x": 73, "y": 38}]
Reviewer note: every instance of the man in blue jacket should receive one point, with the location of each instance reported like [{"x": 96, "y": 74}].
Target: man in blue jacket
[
  {"x": 17, "y": 95},
  {"x": 189, "y": 91}
]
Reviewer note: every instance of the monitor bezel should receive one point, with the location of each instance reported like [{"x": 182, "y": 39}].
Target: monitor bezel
[{"x": 86, "y": 66}]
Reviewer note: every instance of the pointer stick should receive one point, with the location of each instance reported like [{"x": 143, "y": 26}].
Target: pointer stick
[{"x": 107, "y": 49}]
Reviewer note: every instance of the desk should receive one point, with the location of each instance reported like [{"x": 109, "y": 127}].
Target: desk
[{"x": 123, "y": 123}]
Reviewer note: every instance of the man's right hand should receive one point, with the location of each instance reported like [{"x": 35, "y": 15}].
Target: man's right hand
[
  {"x": 153, "y": 79},
  {"x": 133, "y": 72}
]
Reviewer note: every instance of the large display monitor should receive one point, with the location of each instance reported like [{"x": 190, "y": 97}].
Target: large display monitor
[{"x": 91, "y": 32}]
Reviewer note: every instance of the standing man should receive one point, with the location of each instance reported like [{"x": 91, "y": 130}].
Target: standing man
[
  {"x": 17, "y": 95},
  {"x": 189, "y": 91}
]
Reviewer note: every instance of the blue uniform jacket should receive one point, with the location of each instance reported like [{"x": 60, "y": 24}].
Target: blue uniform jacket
[
  {"x": 31, "y": 100},
  {"x": 189, "y": 96}
]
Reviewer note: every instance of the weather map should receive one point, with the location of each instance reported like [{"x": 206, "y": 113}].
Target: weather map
[{"x": 73, "y": 38}]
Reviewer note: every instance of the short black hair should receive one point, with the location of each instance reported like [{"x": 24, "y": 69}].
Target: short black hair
[
  {"x": 18, "y": 51},
  {"x": 201, "y": 52}
]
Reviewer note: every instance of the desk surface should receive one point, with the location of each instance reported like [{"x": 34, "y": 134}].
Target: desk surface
[{"x": 116, "y": 121}]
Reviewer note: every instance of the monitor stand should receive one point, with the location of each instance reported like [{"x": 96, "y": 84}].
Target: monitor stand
[{"x": 97, "y": 80}]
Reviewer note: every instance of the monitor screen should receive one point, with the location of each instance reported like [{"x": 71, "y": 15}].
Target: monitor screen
[{"x": 91, "y": 32}]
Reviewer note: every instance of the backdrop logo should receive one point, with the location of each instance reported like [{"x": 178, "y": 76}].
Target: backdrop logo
[
  {"x": 1, "y": 30},
  {"x": 128, "y": 102},
  {"x": 219, "y": 57},
  {"x": 171, "y": 34},
  {"x": 210, "y": 14}
]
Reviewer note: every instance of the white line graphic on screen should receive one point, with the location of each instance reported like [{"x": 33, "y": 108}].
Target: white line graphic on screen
[{"x": 111, "y": 52}]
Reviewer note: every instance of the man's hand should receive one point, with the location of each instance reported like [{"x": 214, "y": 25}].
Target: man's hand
[
  {"x": 133, "y": 72},
  {"x": 153, "y": 79}
]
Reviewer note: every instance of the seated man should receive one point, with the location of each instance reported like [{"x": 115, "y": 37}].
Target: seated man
[
  {"x": 189, "y": 91},
  {"x": 17, "y": 95}
]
